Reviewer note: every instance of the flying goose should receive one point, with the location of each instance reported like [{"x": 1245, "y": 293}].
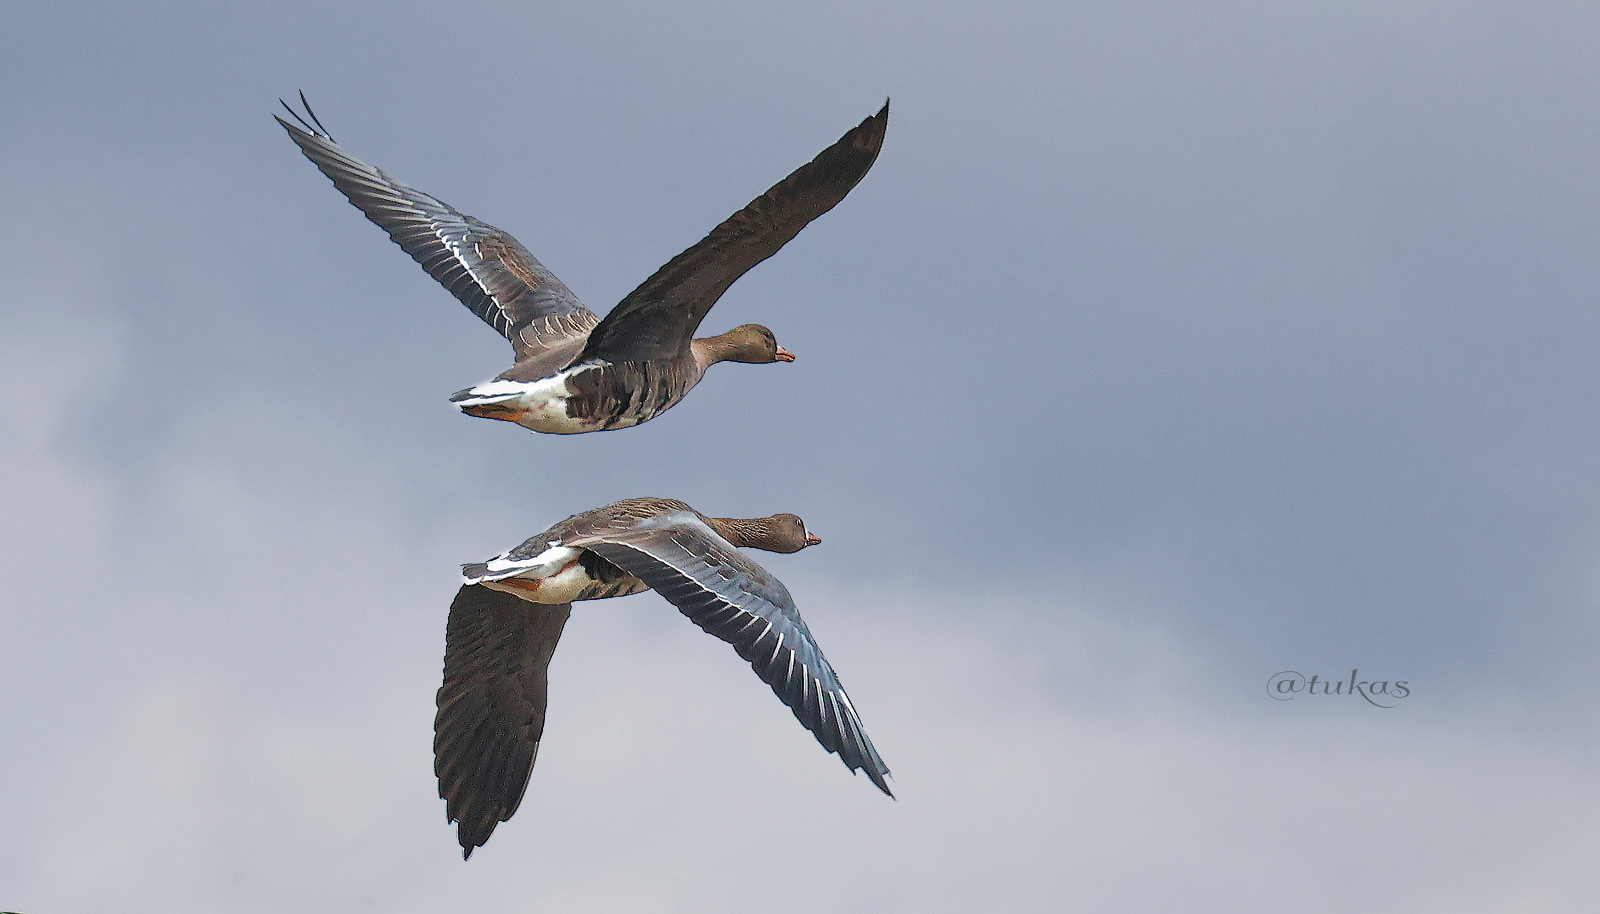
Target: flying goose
[
  {"x": 575, "y": 373},
  {"x": 506, "y": 619}
]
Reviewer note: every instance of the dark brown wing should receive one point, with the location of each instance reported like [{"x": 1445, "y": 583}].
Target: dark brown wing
[
  {"x": 491, "y": 706},
  {"x": 657, "y": 319},
  {"x": 721, "y": 590},
  {"x": 487, "y": 269}
]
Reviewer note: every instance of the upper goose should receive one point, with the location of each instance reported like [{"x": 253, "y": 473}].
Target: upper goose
[
  {"x": 507, "y": 617},
  {"x": 574, "y": 372}
]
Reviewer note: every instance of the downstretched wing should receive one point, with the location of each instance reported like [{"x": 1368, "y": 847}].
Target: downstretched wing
[
  {"x": 657, "y": 319},
  {"x": 728, "y": 595},
  {"x": 491, "y": 706},
  {"x": 487, "y": 269}
]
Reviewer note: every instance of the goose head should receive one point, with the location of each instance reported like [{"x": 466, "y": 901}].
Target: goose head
[
  {"x": 778, "y": 533},
  {"x": 749, "y": 343}
]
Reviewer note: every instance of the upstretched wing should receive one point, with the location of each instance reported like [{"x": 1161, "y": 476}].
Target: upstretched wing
[
  {"x": 491, "y": 706},
  {"x": 657, "y": 319},
  {"x": 728, "y": 595},
  {"x": 487, "y": 269}
]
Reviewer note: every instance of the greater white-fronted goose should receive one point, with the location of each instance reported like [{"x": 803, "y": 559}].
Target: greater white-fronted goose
[
  {"x": 509, "y": 613},
  {"x": 576, "y": 373}
]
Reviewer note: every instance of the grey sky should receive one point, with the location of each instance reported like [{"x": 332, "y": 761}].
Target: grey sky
[{"x": 1166, "y": 346}]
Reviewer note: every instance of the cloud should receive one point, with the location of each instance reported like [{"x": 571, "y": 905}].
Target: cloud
[{"x": 1073, "y": 768}]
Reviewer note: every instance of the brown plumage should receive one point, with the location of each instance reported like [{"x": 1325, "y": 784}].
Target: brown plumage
[
  {"x": 506, "y": 619},
  {"x": 576, "y": 373}
]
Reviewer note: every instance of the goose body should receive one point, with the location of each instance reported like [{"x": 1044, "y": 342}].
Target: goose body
[
  {"x": 510, "y": 610},
  {"x": 546, "y": 404},
  {"x": 574, "y": 372}
]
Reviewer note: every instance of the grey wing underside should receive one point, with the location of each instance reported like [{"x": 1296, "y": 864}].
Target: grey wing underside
[
  {"x": 491, "y": 706},
  {"x": 735, "y": 599},
  {"x": 656, "y": 320},
  {"x": 487, "y": 269}
]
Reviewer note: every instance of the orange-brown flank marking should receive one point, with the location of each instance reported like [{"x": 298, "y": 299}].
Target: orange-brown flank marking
[{"x": 528, "y": 586}]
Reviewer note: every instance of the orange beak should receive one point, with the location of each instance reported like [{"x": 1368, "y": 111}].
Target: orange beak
[
  {"x": 785, "y": 355},
  {"x": 812, "y": 539}
]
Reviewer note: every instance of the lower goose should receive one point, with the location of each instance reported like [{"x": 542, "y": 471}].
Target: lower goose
[{"x": 509, "y": 613}]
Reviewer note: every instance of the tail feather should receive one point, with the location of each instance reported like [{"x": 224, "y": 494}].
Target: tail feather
[
  {"x": 479, "y": 394},
  {"x": 496, "y": 391}
]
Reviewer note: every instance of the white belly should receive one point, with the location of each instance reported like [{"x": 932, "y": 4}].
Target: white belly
[
  {"x": 553, "y": 576},
  {"x": 562, "y": 587},
  {"x": 539, "y": 405}
]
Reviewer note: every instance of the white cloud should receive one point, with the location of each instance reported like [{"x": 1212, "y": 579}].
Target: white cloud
[{"x": 671, "y": 780}]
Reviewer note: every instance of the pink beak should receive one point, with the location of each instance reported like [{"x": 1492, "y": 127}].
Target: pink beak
[
  {"x": 812, "y": 539},
  {"x": 785, "y": 355}
]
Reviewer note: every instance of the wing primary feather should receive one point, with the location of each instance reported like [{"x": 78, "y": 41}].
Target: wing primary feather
[
  {"x": 491, "y": 706},
  {"x": 296, "y": 115},
  {"x": 314, "y": 117},
  {"x": 773, "y": 658},
  {"x": 839, "y": 727}
]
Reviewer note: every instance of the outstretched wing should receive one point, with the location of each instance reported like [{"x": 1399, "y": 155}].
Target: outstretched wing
[
  {"x": 487, "y": 269},
  {"x": 728, "y": 595},
  {"x": 657, "y": 319},
  {"x": 491, "y": 706}
]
